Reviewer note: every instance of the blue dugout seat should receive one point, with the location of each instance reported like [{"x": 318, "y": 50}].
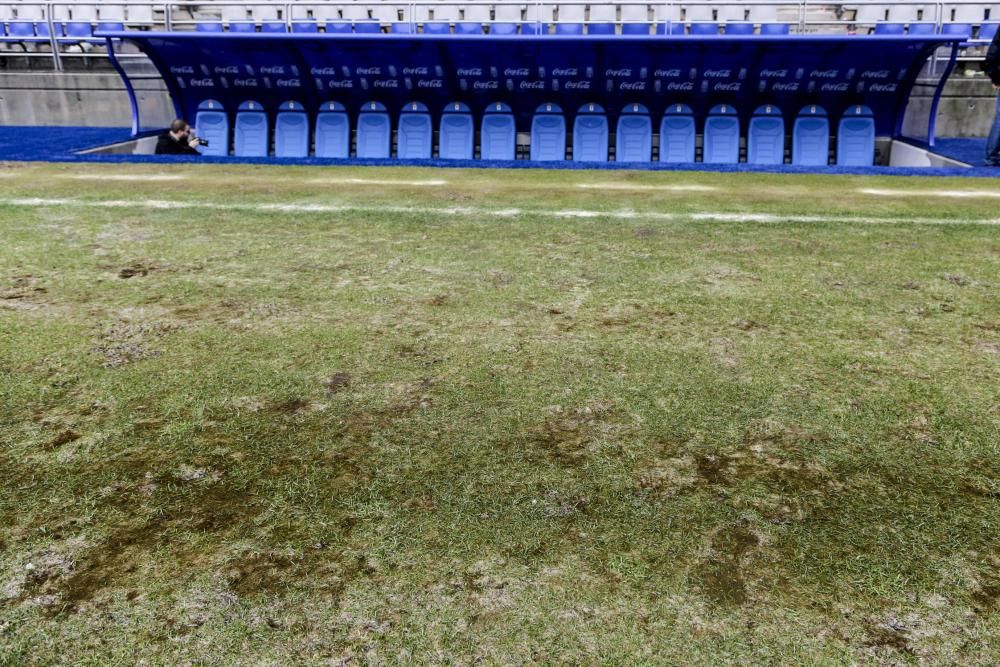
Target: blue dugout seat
[
  {"x": 457, "y": 133},
  {"x": 672, "y": 28},
  {"x": 634, "y": 135},
  {"x": 856, "y": 137},
  {"x": 81, "y": 30},
  {"x": 468, "y": 28},
  {"x": 766, "y": 136},
  {"x": 416, "y": 133},
  {"x": 250, "y": 138},
  {"x": 305, "y": 26},
  {"x": 677, "y": 134},
  {"x": 212, "y": 124},
  {"x": 333, "y": 131},
  {"x": 291, "y": 131},
  {"x": 403, "y": 28},
  {"x": 811, "y": 137},
  {"x": 110, "y": 26},
  {"x": 987, "y": 31},
  {"x": 548, "y": 133},
  {"x": 498, "y": 136},
  {"x": 590, "y": 134},
  {"x": 960, "y": 29},
  {"x": 374, "y": 131},
  {"x": 722, "y": 136},
  {"x": 534, "y": 29}
]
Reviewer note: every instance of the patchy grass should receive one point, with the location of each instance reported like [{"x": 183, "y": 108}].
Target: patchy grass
[{"x": 375, "y": 435}]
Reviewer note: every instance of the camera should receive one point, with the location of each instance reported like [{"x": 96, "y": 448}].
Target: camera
[{"x": 201, "y": 142}]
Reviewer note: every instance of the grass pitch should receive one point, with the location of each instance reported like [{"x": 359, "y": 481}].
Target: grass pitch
[{"x": 388, "y": 416}]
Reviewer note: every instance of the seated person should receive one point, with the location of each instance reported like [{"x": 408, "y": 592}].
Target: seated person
[{"x": 178, "y": 140}]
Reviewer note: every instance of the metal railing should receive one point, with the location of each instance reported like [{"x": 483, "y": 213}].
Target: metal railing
[{"x": 804, "y": 16}]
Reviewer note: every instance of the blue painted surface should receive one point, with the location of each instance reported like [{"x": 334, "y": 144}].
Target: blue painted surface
[{"x": 59, "y": 144}]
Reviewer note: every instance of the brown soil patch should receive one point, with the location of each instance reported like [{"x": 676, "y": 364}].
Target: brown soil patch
[
  {"x": 64, "y": 438},
  {"x": 337, "y": 382},
  {"x": 722, "y": 575}
]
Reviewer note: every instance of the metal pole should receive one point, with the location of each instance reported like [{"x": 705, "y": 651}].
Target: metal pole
[
  {"x": 56, "y": 58},
  {"x": 168, "y": 16}
]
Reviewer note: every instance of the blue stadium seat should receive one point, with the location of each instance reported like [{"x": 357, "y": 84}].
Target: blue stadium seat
[
  {"x": 925, "y": 28},
  {"x": 548, "y": 133},
  {"x": 367, "y": 27},
  {"x": 677, "y": 134},
  {"x": 503, "y": 28},
  {"x": 498, "y": 136},
  {"x": 209, "y": 27},
  {"x": 602, "y": 29},
  {"x": 775, "y": 28},
  {"x": 250, "y": 138},
  {"x": 305, "y": 26},
  {"x": 23, "y": 29},
  {"x": 634, "y": 135},
  {"x": 986, "y": 31},
  {"x": 883, "y": 28},
  {"x": 78, "y": 29},
  {"x": 273, "y": 27},
  {"x": 590, "y": 134},
  {"x": 291, "y": 131},
  {"x": 811, "y": 137},
  {"x": 960, "y": 29},
  {"x": 457, "y": 133},
  {"x": 534, "y": 29},
  {"x": 722, "y": 136},
  {"x": 704, "y": 29},
  {"x": 739, "y": 28},
  {"x": 374, "y": 131},
  {"x": 856, "y": 137},
  {"x": 110, "y": 26},
  {"x": 339, "y": 28},
  {"x": 569, "y": 28},
  {"x": 766, "y": 136},
  {"x": 42, "y": 29},
  {"x": 437, "y": 28},
  {"x": 242, "y": 27},
  {"x": 333, "y": 131},
  {"x": 212, "y": 123},
  {"x": 672, "y": 28},
  {"x": 635, "y": 28},
  {"x": 415, "y": 132},
  {"x": 468, "y": 28},
  {"x": 402, "y": 28}
]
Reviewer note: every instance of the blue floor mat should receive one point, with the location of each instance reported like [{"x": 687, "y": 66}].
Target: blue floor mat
[{"x": 60, "y": 144}]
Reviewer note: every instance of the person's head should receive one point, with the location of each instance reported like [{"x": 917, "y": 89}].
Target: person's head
[{"x": 179, "y": 129}]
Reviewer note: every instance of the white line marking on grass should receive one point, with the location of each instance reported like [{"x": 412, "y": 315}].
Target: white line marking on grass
[
  {"x": 306, "y": 207},
  {"x": 680, "y": 187},
  {"x": 375, "y": 181},
  {"x": 126, "y": 177},
  {"x": 989, "y": 194}
]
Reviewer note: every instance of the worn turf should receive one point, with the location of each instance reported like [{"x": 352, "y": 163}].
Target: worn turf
[{"x": 280, "y": 416}]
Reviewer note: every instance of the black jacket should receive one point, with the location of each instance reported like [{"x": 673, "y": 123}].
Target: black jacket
[
  {"x": 992, "y": 63},
  {"x": 167, "y": 145}
]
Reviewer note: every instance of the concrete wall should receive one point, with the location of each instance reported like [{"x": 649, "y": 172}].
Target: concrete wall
[
  {"x": 85, "y": 99},
  {"x": 99, "y": 99}
]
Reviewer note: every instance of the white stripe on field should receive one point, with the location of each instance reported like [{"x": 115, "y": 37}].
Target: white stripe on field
[
  {"x": 680, "y": 187},
  {"x": 987, "y": 194},
  {"x": 375, "y": 181},
  {"x": 305, "y": 207},
  {"x": 125, "y": 177}
]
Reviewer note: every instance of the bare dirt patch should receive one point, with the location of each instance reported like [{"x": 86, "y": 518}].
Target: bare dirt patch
[
  {"x": 567, "y": 435},
  {"x": 338, "y": 382},
  {"x": 722, "y": 576},
  {"x": 139, "y": 269},
  {"x": 124, "y": 342}
]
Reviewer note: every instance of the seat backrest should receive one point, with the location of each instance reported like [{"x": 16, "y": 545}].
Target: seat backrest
[
  {"x": 590, "y": 134},
  {"x": 251, "y": 136},
  {"x": 569, "y": 28},
  {"x": 722, "y": 136},
  {"x": 273, "y": 27},
  {"x": 291, "y": 131},
  {"x": 415, "y": 132},
  {"x": 634, "y": 135},
  {"x": 884, "y": 28},
  {"x": 925, "y": 28},
  {"x": 333, "y": 131},
  {"x": 811, "y": 137},
  {"x": 601, "y": 29},
  {"x": 548, "y": 133},
  {"x": 338, "y": 28},
  {"x": 80, "y": 29},
  {"x": 212, "y": 124},
  {"x": 635, "y": 28},
  {"x": 498, "y": 136},
  {"x": 677, "y": 134},
  {"x": 503, "y": 28},
  {"x": 212, "y": 26},
  {"x": 856, "y": 137},
  {"x": 374, "y": 131},
  {"x": 457, "y": 133},
  {"x": 21, "y": 29},
  {"x": 242, "y": 27},
  {"x": 704, "y": 29},
  {"x": 774, "y": 28},
  {"x": 437, "y": 28},
  {"x": 766, "y": 136},
  {"x": 367, "y": 27},
  {"x": 739, "y": 28},
  {"x": 468, "y": 28}
]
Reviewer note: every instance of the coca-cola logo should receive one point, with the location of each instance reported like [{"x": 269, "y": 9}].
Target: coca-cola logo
[
  {"x": 618, "y": 72},
  {"x": 824, "y": 74},
  {"x": 682, "y": 86},
  {"x": 633, "y": 85},
  {"x": 184, "y": 69},
  {"x": 369, "y": 71},
  {"x": 516, "y": 71},
  {"x": 834, "y": 87},
  {"x": 578, "y": 85},
  {"x": 341, "y": 83},
  {"x": 667, "y": 73},
  {"x": 470, "y": 71},
  {"x": 532, "y": 85},
  {"x": 565, "y": 71},
  {"x": 324, "y": 71},
  {"x": 718, "y": 73},
  {"x": 274, "y": 69},
  {"x": 245, "y": 83},
  {"x": 875, "y": 74},
  {"x": 430, "y": 83},
  {"x": 485, "y": 85},
  {"x": 203, "y": 83},
  {"x": 773, "y": 73},
  {"x": 288, "y": 83},
  {"x": 386, "y": 83},
  {"x": 786, "y": 87},
  {"x": 229, "y": 69},
  {"x": 882, "y": 88},
  {"x": 416, "y": 71},
  {"x": 732, "y": 87}
]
